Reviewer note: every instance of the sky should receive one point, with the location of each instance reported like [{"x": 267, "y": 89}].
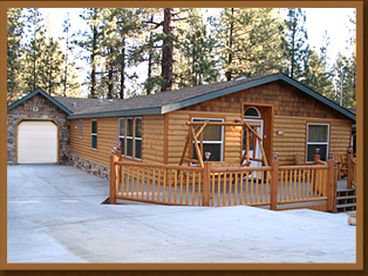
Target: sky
[{"x": 319, "y": 20}]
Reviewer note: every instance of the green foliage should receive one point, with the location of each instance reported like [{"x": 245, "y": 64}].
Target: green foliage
[
  {"x": 250, "y": 41},
  {"x": 295, "y": 46},
  {"x": 195, "y": 56},
  {"x": 14, "y": 50},
  {"x": 126, "y": 51}
]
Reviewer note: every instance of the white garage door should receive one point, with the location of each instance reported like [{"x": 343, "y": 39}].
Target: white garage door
[{"x": 37, "y": 142}]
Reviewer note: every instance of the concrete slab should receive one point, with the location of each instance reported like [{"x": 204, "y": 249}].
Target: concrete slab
[{"x": 55, "y": 215}]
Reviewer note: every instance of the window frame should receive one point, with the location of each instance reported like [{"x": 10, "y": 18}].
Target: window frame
[
  {"x": 327, "y": 143},
  {"x": 80, "y": 128},
  {"x": 94, "y": 134},
  {"x": 122, "y": 136},
  {"x": 137, "y": 138},
  {"x": 249, "y": 107},
  {"x": 129, "y": 137},
  {"x": 222, "y": 120}
]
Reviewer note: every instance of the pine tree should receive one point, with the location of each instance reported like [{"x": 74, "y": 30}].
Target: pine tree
[
  {"x": 70, "y": 82},
  {"x": 296, "y": 47},
  {"x": 317, "y": 73},
  {"x": 15, "y": 32},
  {"x": 91, "y": 42},
  {"x": 195, "y": 57},
  {"x": 250, "y": 41},
  {"x": 35, "y": 28}
]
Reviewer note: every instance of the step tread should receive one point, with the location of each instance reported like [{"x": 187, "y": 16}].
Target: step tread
[
  {"x": 346, "y": 205},
  {"x": 345, "y": 197}
]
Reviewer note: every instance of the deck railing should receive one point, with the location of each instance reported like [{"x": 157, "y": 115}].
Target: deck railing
[
  {"x": 271, "y": 186},
  {"x": 239, "y": 186},
  {"x": 351, "y": 175}
]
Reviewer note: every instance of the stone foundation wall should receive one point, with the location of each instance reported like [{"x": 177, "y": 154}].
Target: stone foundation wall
[
  {"x": 38, "y": 107},
  {"x": 89, "y": 166}
]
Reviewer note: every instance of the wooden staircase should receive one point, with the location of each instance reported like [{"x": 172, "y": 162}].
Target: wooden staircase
[{"x": 346, "y": 200}]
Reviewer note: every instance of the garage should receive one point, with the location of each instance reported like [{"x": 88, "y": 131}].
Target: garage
[{"x": 37, "y": 142}]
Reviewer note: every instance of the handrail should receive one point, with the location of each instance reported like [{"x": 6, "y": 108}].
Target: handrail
[
  {"x": 291, "y": 167},
  {"x": 241, "y": 169},
  {"x": 162, "y": 166}
]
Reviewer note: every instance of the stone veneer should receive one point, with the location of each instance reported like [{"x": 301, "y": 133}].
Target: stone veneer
[
  {"x": 38, "y": 107},
  {"x": 89, "y": 166}
]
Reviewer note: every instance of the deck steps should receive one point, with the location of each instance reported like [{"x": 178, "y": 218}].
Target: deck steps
[{"x": 346, "y": 200}]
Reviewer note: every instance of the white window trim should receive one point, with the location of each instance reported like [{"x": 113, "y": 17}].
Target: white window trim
[
  {"x": 80, "y": 128},
  {"x": 129, "y": 137},
  {"x": 214, "y": 142},
  {"x": 137, "y": 138},
  {"x": 122, "y": 136},
  {"x": 318, "y": 143},
  {"x": 94, "y": 134},
  {"x": 259, "y": 113}
]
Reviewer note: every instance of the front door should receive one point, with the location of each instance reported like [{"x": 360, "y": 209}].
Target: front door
[{"x": 254, "y": 146}]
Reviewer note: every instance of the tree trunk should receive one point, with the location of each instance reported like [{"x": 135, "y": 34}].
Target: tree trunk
[
  {"x": 167, "y": 52},
  {"x": 66, "y": 62},
  {"x": 93, "y": 56},
  {"x": 110, "y": 85},
  {"x": 122, "y": 69},
  {"x": 150, "y": 60},
  {"x": 230, "y": 55},
  {"x": 34, "y": 60}
]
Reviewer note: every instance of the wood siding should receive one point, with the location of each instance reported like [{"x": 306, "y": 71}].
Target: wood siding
[
  {"x": 107, "y": 137},
  {"x": 285, "y": 100},
  {"x": 294, "y": 138}
]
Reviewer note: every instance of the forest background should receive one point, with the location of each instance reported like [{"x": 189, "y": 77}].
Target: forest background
[{"x": 122, "y": 53}]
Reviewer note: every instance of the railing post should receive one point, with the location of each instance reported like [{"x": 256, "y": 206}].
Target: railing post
[
  {"x": 206, "y": 176},
  {"x": 274, "y": 181},
  {"x": 350, "y": 168},
  {"x": 115, "y": 156},
  {"x": 331, "y": 186}
]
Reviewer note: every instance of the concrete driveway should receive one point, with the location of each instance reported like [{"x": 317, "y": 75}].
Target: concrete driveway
[{"x": 55, "y": 215}]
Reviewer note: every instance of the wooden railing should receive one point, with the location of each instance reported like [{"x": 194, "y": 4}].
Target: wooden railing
[
  {"x": 163, "y": 184},
  {"x": 351, "y": 164},
  {"x": 302, "y": 183},
  {"x": 239, "y": 186},
  {"x": 215, "y": 186}
]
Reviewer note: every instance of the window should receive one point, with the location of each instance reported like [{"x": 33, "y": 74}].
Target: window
[
  {"x": 80, "y": 128},
  {"x": 94, "y": 134},
  {"x": 252, "y": 112},
  {"x": 122, "y": 135},
  {"x": 129, "y": 137},
  {"x": 212, "y": 140},
  {"x": 138, "y": 138},
  {"x": 317, "y": 138}
]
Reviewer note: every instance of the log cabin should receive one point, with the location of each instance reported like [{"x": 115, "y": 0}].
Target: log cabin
[{"x": 292, "y": 120}]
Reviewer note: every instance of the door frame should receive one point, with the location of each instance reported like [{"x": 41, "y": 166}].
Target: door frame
[
  {"x": 255, "y": 120},
  {"x": 267, "y": 124},
  {"x": 19, "y": 121}
]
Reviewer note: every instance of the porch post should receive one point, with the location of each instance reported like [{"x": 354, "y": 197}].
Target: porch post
[
  {"x": 349, "y": 162},
  {"x": 331, "y": 186},
  {"x": 274, "y": 181},
  {"x": 206, "y": 176},
  {"x": 115, "y": 156}
]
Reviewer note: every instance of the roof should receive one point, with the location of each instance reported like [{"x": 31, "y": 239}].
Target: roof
[
  {"x": 43, "y": 93},
  {"x": 165, "y": 102},
  {"x": 161, "y": 103},
  {"x": 78, "y": 104}
]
